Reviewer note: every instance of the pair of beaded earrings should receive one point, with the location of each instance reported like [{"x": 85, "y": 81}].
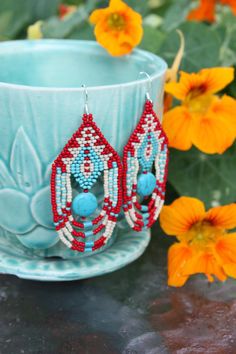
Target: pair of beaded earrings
[{"x": 85, "y": 157}]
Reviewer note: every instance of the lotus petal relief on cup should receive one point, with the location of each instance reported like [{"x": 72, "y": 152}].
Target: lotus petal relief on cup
[
  {"x": 146, "y": 150},
  {"x": 86, "y": 156}
]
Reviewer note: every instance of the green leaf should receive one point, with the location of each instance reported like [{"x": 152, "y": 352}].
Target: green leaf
[
  {"x": 159, "y": 7},
  {"x": 57, "y": 28},
  {"x": 84, "y": 31},
  {"x": 231, "y": 89},
  {"x": 202, "y": 47},
  {"x": 227, "y": 32},
  {"x": 152, "y": 39},
  {"x": 139, "y": 6},
  {"x": 73, "y": 2},
  {"x": 10, "y": 25},
  {"x": 43, "y": 9},
  {"x": 74, "y": 26},
  {"x": 176, "y": 14},
  {"x": 15, "y": 16},
  {"x": 210, "y": 178}
]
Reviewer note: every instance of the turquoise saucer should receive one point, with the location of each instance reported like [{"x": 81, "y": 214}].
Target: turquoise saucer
[{"x": 127, "y": 247}]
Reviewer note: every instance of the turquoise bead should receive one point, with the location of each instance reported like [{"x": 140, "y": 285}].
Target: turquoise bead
[
  {"x": 88, "y": 224},
  {"x": 84, "y": 204},
  {"x": 146, "y": 184},
  {"x": 144, "y": 207}
]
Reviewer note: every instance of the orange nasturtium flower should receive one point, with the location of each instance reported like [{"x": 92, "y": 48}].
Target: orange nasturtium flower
[
  {"x": 204, "y": 244},
  {"x": 118, "y": 28},
  {"x": 203, "y": 119},
  {"x": 206, "y": 10}
]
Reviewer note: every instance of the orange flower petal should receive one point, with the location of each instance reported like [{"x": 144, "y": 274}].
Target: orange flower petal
[
  {"x": 187, "y": 83},
  {"x": 222, "y": 216},
  {"x": 168, "y": 100},
  {"x": 175, "y": 90},
  {"x": 177, "y": 218},
  {"x": 207, "y": 81},
  {"x": 135, "y": 34},
  {"x": 230, "y": 270},
  {"x": 180, "y": 89},
  {"x": 107, "y": 38},
  {"x": 118, "y": 5},
  {"x": 118, "y": 28},
  {"x": 122, "y": 49},
  {"x": 177, "y": 124},
  {"x": 226, "y": 248},
  {"x": 132, "y": 37},
  {"x": 226, "y": 106},
  {"x": 178, "y": 256},
  {"x": 212, "y": 133},
  {"x": 107, "y": 41},
  {"x": 204, "y": 12},
  {"x": 216, "y": 78},
  {"x": 207, "y": 264},
  {"x": 98, "y": 15}
]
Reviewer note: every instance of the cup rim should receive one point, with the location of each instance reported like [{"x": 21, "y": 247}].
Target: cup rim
[{"x": 137, "y": 51}]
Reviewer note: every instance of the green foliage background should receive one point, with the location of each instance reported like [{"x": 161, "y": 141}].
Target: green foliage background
[{"x": 211, "y": 178}]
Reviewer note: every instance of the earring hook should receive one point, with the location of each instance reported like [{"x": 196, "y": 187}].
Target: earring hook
[
  {"x": 86, "y": 110},
  {"x": 149, "y": 84}
]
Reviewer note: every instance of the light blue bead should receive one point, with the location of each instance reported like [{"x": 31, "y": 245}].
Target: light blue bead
[
  {"x": 84, "y": 204},
  {"x": 146, "y": 184},
  {"x": 88, "y": 233},
  {"x": 89, "y": 244},
  {"x": 88, "y": 224},
  {"x": 88, "y": 249},
  {"x": 144, "y": 207}
]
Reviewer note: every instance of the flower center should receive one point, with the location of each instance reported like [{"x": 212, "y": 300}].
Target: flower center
[
  {"x": 116, "y": 21},
  {"x": 197, "y": 100},
  {"x": 203, "y": 234}
]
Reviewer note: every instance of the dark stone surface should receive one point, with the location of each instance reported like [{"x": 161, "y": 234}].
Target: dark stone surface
[{"x": 131, "y": 311}]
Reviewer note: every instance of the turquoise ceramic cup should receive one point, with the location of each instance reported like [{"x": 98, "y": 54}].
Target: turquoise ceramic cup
[{"x": 42, "y": 103}]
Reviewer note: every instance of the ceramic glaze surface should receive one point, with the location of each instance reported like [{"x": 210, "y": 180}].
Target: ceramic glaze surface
[{"x": 42, "y": 103}]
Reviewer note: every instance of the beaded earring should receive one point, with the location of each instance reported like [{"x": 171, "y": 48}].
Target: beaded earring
[
  {"x": 147, "y": 147},
  {"x": 83, "y": 159}
]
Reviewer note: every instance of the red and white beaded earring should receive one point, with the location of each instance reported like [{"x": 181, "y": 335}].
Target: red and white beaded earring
[
  {"x": 147, "y": 148},
  {"x": 84, "y": 158}
]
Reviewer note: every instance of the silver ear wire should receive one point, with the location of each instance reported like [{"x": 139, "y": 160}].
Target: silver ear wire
[
  {"x": 149, "y": 85},
  {"x": 86, "y": 110}
]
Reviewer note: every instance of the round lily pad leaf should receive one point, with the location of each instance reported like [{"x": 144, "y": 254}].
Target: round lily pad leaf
[
  {"x": 15, "y": 214},
  {"x": 39, "y": 238},
  {"x": 41, "y": 208}
]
